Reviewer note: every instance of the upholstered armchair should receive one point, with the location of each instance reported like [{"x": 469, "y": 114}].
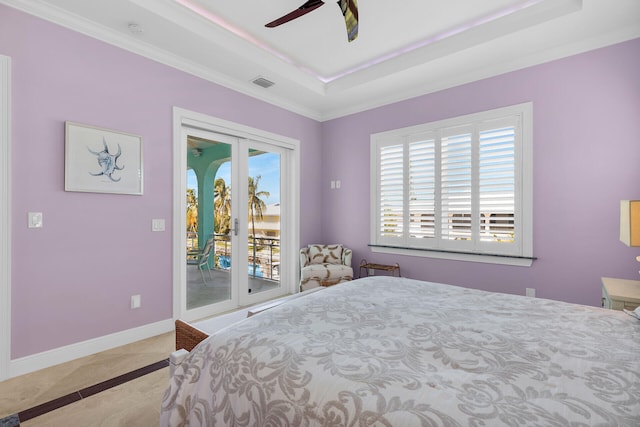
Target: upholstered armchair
[{"x": 324, "y": 265}]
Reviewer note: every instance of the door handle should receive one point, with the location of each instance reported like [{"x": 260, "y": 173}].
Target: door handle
[{"x": 235, "y": 226}]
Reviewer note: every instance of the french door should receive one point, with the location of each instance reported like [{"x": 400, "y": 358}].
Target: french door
[{"x": 235, "y": 245}]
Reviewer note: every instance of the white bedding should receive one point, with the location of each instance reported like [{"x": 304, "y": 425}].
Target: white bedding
[{"x": 384, "y": 351}]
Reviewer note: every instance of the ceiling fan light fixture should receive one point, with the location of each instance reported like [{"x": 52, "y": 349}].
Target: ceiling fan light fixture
[
  {"x": 349, "y": 10},
  {"x": 262, "y": 82}
]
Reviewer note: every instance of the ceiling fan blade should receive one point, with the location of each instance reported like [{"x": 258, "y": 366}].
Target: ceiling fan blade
[
  {"x": 349, "y": 10},
  {"x": 302, "y": 10}
]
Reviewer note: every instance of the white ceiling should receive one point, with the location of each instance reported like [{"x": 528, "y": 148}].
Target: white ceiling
[{"x": 405, "y": 48}]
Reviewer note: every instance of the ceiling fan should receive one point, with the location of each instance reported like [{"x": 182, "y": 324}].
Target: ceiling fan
[{"x": 349, "y": 10}]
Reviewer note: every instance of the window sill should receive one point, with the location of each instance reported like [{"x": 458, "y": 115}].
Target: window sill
[{"x": 425, "y": 253}]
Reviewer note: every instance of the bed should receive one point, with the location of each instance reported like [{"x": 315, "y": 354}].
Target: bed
[{"x": 383, "y": 351}]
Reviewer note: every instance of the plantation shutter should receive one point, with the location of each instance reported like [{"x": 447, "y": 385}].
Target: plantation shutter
[
  {"x": 456, "y": 184},
  {"x": 497, "y": 180},
  {"x": 422, "y": 188},
  {"x": 460, "y": 185},
  {"x": 391, "y": 192}
]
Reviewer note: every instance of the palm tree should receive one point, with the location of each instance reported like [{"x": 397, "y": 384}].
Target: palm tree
[
  {"x": 256, "y": 207},
  {"x": 192, "y": 220},
  {"x": 192, "y": 211},
  {"x": 221, "y": 207}
]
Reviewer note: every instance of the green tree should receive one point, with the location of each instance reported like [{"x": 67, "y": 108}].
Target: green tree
[
  {"x": 221, "y": 207},
  {"x": 192, "y": 211},
  {"x": 256, "y": 205}
]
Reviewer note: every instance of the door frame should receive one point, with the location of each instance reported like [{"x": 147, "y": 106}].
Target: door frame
[
  {"x": 5, "y": 220},
  {"x": 182, "y": 118}
]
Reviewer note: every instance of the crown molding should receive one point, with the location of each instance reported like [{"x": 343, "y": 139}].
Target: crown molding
[
  {"x": 329, "y": 110},
  {"x": 138, "y": 47},
  {"x": 495, "y": 69}
]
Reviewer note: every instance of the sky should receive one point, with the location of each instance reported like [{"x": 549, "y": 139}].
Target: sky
[{"x": 266, "y": 165}]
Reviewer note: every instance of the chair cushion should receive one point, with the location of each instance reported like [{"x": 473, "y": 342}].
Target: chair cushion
[
  {"x": 325, "y": 254},
  {"x": 327, "y": 272}
]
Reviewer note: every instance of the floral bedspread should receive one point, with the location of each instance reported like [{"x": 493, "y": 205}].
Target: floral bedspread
[{"x": 385, "y": 351}]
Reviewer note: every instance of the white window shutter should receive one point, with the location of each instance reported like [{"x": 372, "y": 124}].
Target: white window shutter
[
  {"x": 456, "y": 185},
  {"x": 422, "y": 188},
  {"x": 460, "y": 185},
  {"x": 497, "y": 181},
  {"x": 391, "y": 192}
]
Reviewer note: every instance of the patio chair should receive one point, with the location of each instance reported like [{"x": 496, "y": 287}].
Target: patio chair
[{"x": 203, "y": 259}]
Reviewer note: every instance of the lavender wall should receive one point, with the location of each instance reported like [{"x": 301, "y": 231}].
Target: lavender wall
[
  {"x": 586, "y": 152},
  {"x": 72, "y": 279}
]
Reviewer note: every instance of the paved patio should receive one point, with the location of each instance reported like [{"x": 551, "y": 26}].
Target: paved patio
[{"x": 217, "y": 286}]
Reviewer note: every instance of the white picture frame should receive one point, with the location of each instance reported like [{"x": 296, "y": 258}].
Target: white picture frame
[{"x": 101, "y": 160}]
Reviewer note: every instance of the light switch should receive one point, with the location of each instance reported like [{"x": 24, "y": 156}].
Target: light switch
[
  {"x": 333, "y": 185},
  {"x": 157, "y": 225},
  {"x": 338, "y": 184},
  {"x": 136, "y": 301},
  {"x": 35, "y": 219}
]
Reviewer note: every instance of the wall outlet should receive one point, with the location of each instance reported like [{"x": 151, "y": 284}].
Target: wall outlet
[
  {"x": 530, "y": 292},
  {"x": 135, "y": 301},
  {"x": 157, "y": 224}
]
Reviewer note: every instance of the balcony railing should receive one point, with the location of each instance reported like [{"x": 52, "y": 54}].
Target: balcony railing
[{"x": 263, "y": 255}]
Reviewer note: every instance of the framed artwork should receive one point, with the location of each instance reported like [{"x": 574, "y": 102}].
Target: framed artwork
[{"x": 101, "y": 160}]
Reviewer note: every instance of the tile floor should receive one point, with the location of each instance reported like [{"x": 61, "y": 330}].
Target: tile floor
[{"x": 135, "y": 403}]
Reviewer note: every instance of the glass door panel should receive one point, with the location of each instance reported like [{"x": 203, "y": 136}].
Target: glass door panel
[
  {"x": 209, "y": 212},
  {"x": 263, "y": 207}
]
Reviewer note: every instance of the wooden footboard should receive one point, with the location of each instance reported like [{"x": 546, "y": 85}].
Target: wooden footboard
[{"x": 188, "y": 336}]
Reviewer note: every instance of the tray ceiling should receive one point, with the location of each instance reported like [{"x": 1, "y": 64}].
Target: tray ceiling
[{"x": 404, "y": 49}]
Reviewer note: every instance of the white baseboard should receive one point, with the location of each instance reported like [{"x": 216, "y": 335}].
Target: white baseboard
[{"x": 46, "y": 359}]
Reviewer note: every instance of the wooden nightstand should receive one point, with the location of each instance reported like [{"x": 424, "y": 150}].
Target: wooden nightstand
[{"x": 620, "y": 293}]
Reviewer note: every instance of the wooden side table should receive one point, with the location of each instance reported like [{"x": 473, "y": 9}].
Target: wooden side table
[
  {"x": 620, "y": 293},
  {"x": 372, "y": 266}
]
